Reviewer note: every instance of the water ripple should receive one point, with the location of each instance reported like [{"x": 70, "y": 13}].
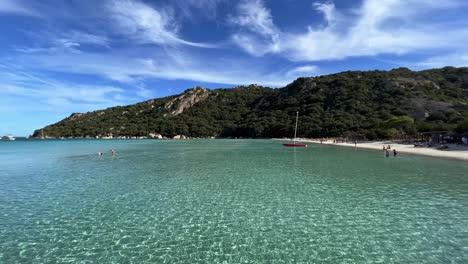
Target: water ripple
[{"x": 230, "y": 202}]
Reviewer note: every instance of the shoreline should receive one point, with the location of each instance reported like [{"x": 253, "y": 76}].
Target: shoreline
[{"x": 460, "y": 153}]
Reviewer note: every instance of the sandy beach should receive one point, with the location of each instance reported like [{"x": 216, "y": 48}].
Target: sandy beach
[{"x": 454, "y": 152}]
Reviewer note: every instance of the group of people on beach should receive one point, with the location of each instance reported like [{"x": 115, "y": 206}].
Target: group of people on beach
[
  {"x": 112, "y": 152},
  {"x": 386, "y": 150}
]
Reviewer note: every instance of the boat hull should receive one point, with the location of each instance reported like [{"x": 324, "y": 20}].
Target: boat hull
[{"x": 295, "y": 145}]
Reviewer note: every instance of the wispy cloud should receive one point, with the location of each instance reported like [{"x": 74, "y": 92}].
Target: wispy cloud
[
  {"x": 170, "y": 64},
  {"x": 53, "y": 42},
  {"x": 17, "y": 7},
  {"x": 457, "y": 59},
  {"x": 305, "y": 70},
  {"x": 329, "y": 12},
  {"x": 375, "y": 27},
  {"x": 53, "y": 94},
  {"x": 258, "y": 35},
  {"x": 86, "y": 38},
  {"x": 144, "y": 23}
]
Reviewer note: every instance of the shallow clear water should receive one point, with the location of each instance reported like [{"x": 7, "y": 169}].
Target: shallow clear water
[{"x": 232, "y": 201}]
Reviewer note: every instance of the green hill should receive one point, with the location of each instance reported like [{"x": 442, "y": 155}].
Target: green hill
[{"x": 371, "y": 104}]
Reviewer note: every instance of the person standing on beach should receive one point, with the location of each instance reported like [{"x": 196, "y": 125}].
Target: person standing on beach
[
  {"x": 394, "y": 153},
  {"x": 384, "y": 148}
]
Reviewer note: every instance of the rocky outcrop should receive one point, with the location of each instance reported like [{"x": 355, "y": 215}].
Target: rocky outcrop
[
  {"x": 186, "y": 100},
  {"x": 155, "y": 135},
  {"x": 75, "y": 116}
]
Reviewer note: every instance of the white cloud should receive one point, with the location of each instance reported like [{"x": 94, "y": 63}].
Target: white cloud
[
  {"x": 375, "y": 27},
  {"x": 254, "y": 15},
  {"x": 169, "y": 65},
  {"x": 145, "y": 24},
  {"x": 86, "y": 38},
  {"x": 17, "y": 7},
  {"x": 253, "y": 45},
  {"x": 258, "y": 35},
  {"x": 54, "y": 95},
  {"x": 303, "y": 71},
  {"x": 328, "y": 10},
  {"x": 457, "y": 59},
  {"x": 70, "y": 41},
  {"x": 68, "y": 97}
]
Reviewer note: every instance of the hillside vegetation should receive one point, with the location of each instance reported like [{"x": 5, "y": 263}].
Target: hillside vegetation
[{"x": 371, "y": 104}]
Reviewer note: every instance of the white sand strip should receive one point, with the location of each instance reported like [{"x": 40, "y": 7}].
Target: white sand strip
[{"x": 454, "y": 152}]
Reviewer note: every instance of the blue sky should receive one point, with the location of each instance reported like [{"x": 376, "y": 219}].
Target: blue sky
[{"x": 59, "y": 57}]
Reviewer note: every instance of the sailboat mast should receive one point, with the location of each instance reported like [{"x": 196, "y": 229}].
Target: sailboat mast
[
  {"x": 295, "y": 135},
  {"x": 295, "y": 128}
]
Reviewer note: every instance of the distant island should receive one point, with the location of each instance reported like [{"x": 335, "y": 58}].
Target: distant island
[{"x": 361, "y": 104}]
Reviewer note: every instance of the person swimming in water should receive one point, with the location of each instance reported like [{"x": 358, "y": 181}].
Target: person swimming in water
[
  {"x": 112, "y": 152},
  {"x": 387, "y": 153},
  {"x": 100, "y": 154},
  {"x": 394, "y": 153}
]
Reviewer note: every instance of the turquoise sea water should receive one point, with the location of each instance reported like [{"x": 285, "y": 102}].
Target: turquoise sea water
[{"x": 227, "y": 201}]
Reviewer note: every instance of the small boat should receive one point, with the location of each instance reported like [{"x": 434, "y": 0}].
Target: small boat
[
  {"x": 294, "y": 144},
  {"x": 8, "y": 138}
]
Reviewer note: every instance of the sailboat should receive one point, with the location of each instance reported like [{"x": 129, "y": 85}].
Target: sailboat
[{"x": 294, "y": 144}]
